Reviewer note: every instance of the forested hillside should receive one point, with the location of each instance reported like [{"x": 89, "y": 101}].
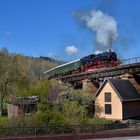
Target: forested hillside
[{"x": 18, "y": 73}]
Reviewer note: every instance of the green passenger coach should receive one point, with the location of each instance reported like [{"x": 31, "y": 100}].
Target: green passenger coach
[{"x": 64, "y": 68}]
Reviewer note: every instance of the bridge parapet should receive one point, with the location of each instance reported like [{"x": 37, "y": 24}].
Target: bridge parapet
[
  {"x": 102, "y": 73},
  {"x": 130, "y": 61}
]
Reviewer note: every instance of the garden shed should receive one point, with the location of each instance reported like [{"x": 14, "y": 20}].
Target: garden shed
[{"x": 22, "y": 106}]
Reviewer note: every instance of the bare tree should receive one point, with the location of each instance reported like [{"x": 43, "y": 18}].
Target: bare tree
[{"x": 10, "y": 75}]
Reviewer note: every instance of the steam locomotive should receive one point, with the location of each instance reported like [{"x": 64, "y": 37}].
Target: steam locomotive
[{"x": 87, "y": 63}]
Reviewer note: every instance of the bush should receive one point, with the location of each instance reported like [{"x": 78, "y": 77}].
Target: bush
[
  {"x": 51, "y": 118},
  {"x": 24, "y": 121},
  {"x": 4, "y": 122},
  {"x": 74, "y": 112},
  {"x": 96, "y": 121}
]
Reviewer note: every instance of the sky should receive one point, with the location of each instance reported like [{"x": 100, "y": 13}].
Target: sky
[{"x": 60, "y": 28}]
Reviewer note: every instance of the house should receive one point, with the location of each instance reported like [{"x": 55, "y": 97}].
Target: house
[
  {"x": 22, "y": 106},
  {"x": 118, "y": 99}
]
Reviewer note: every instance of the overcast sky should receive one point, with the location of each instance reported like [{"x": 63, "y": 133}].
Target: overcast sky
[{"x": 70, "y": 29}]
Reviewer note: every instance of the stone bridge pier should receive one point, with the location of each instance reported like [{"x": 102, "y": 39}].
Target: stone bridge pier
[{"x": 90, "y": 85}]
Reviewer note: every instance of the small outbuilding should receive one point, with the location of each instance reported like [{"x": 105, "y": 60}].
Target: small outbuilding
[
  {"x": 118, "y": 99},
  {"x": 22, "y": 106}
]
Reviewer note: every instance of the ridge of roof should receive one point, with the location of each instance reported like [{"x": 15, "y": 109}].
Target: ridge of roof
[{"x": 123, "y": 88}]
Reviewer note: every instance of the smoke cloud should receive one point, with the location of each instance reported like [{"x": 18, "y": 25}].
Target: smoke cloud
[{"x": 103, "y": 25}]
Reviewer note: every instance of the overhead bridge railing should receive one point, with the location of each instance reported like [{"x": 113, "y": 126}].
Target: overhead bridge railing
[
  {"x": 130, "y": 61},
  {"x": 131, "y": 66}
]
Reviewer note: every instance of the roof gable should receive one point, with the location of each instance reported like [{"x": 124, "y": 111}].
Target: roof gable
[
  {"x": 123, "y": 88},
  {"x": 100, "y": 88}
]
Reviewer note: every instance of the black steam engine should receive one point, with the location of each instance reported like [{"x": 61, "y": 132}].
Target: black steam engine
[{"x": 101, "y": 60}]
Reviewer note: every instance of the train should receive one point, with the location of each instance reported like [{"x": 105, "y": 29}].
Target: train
[{"x": 91, "y": 62}]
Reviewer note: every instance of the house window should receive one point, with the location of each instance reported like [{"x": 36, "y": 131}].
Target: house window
[
  {"x": 108, "y": 109},
  {"x": 107, "y": 97}
]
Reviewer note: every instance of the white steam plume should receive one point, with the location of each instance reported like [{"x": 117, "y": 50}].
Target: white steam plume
[
  {"x": 105, "y": 27},
  {"x": 97, "y": 52}
]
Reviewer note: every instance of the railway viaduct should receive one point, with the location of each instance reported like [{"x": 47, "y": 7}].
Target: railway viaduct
[{"x": 90, "y": 80}]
